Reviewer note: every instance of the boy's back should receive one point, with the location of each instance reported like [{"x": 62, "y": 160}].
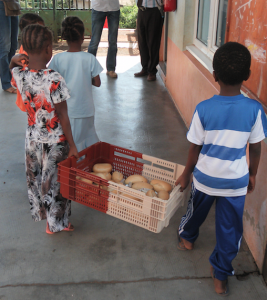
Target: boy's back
[
  {"x": 219, "y": 133},
  {"x": 224, "y": 125}
]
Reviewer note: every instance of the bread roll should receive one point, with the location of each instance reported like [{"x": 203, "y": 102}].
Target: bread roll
[
  {"x": 102, "y": 168},
  {"x": 151, "y": 193},
  {"x": 163, "y": 195},
  {"x": 106, "y": 176},
  {"x": 135, "y": 178},
  {"x": 103, "y": 187},
  {"x": 84, "y": 180},
  {"x": 160, "y": 185},
  {"x": 142, "y": 185},
  {"x": 117, "y": 176}
]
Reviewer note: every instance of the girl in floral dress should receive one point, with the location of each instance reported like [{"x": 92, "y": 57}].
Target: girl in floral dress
[{"x": 48, "y": 136}]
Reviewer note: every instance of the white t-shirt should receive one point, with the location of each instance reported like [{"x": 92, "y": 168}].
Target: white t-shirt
[
  {"x": 78, "y": 69},
  {"x": 105, "y": 5},
  {"x": 151, "y": 3}
]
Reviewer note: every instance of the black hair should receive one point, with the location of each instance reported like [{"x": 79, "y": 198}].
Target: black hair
[
  {"x": 231, "y": 63},
  {"x": 29, "y": 18},
  {"x": 72, "y": 29},
  {"x": 34, "y": 37}
]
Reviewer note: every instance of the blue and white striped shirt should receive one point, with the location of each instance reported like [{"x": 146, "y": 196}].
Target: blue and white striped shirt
[{"x": 224, "y": 126}]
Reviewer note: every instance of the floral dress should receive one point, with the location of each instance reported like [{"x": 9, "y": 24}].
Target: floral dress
[{"x": 45, "y": 143}]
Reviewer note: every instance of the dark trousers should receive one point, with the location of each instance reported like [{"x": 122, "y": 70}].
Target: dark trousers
[{"x": 149, "y": 27}]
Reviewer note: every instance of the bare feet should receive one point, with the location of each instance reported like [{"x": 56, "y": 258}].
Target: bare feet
[
  {"x": 184, "y": 244},
  {"x": 11, "y": 90},
  {"x": 221, "y": 286}
]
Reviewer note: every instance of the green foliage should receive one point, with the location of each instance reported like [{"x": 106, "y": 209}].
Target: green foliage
[{"x": 128, "y": 17}]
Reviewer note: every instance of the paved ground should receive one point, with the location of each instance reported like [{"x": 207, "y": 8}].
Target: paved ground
[
  {"x": 106, "y": 258},
  {"x": 127, "y": 43}
]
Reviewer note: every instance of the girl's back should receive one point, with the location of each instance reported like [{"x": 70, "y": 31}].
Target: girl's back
[
  {"x": 40, "y": 90},
  {"x": 78, "y": 69}
]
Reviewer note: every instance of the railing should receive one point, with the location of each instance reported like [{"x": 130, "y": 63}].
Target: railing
[
  {"x": 54, "y": 11},
  {"x": 55, "y": 4}
]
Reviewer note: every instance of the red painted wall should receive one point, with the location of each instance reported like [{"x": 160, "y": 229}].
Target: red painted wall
[{"x": 247, "y": 24}]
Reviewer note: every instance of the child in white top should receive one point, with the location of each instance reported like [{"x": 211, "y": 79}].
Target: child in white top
[{"x": 80, "y": 70}]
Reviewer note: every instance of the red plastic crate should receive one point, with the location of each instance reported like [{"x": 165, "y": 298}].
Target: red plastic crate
[
  {"x": 93, "y": 195},
  {"x": 117, "y": 200}
]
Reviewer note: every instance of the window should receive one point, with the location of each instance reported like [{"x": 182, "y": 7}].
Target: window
[
  {"x": 210, "y": 25},
  {"x": 221, "y": 22}
]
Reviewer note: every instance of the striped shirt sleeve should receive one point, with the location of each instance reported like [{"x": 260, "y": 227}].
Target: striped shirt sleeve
[
  {"x": 259, "y": 130},
  {"x": 196, "y": 133}
]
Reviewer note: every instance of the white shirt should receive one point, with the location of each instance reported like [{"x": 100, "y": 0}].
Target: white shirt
[
  {"x": 105, "y": 5},
  {"x": 151, "y": 3}
]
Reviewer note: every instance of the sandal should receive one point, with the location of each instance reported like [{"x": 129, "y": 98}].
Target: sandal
[
  {"x": 11, "y": 90},
  {"x": 181, "y": 245},
  {"x": 226, "y": 292},
  {"x": 69, "y": 228}
]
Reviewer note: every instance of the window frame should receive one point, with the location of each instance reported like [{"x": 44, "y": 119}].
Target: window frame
[{"x": 211, "y": 47}]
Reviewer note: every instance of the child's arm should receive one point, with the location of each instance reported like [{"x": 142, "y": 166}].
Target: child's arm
[
  {"x": 17, "y": 61},
  {"x": 96, "y": 81},
  {"x": 62, "y": 112},
  {"x": 193, "y": 154},
  {"x": 254, "y": 159}
]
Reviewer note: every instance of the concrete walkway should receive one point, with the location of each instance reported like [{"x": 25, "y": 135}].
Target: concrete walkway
[{"x": 106, "y": 258}]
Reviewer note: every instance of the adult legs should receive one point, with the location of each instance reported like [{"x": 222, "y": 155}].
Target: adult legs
[
  {"x": 198, "y": 208},
  {"x": 154, "y": 31},
  {"x": 98, "y": 20},
  {"x": 14, "y": 37},
  {"x": 229, "y": 230},
  {"x": 142, "y": 38},
  {"x": 113, "y": 25},
  {"x": 8, "y": 45}
]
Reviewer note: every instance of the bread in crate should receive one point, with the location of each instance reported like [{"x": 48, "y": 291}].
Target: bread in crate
[{"x": 141, "y": 208}]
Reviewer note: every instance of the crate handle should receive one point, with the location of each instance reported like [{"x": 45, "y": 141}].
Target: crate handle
[
  {"x": 161, "y": 162},
  {"x": 176, "y": 188},
  {"x": 74, "y": 159}
]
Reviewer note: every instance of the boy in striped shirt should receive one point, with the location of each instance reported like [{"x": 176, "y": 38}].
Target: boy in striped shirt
[{"x": 219, "y": 133}]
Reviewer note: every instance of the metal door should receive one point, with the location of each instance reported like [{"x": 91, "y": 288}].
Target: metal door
[{"x": 54, "y": 11}]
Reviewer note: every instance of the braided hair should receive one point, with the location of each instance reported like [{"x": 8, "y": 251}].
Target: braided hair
[
  {"x": 231, "y": 63},
  {"x": 29, "y": 18},
  {"x": 72, "y": 29},
  {"x": 34, "y": 37}
]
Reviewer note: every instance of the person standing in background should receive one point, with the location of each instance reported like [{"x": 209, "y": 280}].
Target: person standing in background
[
  {"x": 100, "y": 10},
  {"x": 149, "y": 29},
  {"x": 9, "y": 27}
]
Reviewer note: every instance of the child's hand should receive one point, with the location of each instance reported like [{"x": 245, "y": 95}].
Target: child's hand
[
  {"x": 19, "y": 60},
  {"x": 251, "y": 184},
  {"x": 183, "y": 180},
  {"x": 73, "y": 152}
]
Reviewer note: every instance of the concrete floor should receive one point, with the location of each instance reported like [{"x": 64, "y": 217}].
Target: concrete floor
[{"x": 106, "y": 258}]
